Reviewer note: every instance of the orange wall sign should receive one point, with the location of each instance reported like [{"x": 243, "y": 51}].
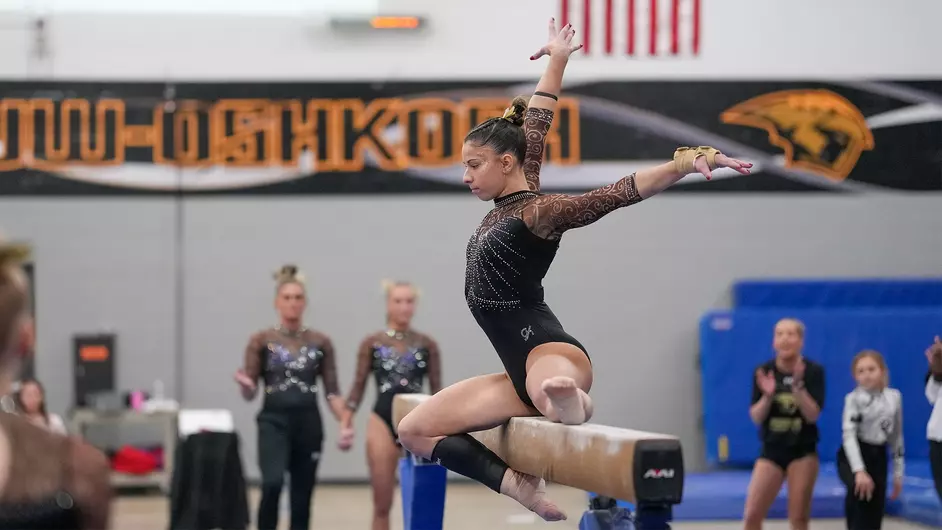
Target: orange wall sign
[{"x": 341, "y": 133}]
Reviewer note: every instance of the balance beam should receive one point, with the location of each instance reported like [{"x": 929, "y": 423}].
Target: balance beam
[{"x": 643, "y": 468}]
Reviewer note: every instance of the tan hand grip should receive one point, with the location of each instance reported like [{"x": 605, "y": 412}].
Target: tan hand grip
[{"x": 684, "y": 157}]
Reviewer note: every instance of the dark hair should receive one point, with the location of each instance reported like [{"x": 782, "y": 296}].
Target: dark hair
[
  {"x": 503, "y": 134},
  {"x": 42, "y": 390}
]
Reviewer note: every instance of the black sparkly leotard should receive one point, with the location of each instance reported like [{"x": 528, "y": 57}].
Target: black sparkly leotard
[
  {"x": 400, "y": 362},
  {"x": 514, "y": 246},
  {"x": 290, "y": 429}
]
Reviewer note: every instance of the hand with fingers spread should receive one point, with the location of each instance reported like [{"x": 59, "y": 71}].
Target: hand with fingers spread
[
  {"x": 766, "y": 381},
  {"x": 703, "y": 167},
  {"x": 560, "y": 42}
]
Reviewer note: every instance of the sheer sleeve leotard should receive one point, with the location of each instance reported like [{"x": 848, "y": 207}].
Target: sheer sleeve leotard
[
  {"x": 400, "y": 362},
  {"x": 513, "y": 247},
  {"x": 289, "y": 365}
]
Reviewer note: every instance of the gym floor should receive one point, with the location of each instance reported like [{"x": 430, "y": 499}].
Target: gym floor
[{"x": 469, "y": 507}]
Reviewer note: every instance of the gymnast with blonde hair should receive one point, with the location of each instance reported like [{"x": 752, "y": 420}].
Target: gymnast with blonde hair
[
  {"x": 788, "y": 394},
  {"x": 400, "y": 360},
  {"x": 288, "y": 359},
  {"x": 47, "y": 481}
]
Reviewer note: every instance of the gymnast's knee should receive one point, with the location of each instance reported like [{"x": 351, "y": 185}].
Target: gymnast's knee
[
  {"x": 272, "y": 486},
  {"x": 753, "y": 515},
  {"x": 753, "y": 518},
  {"x": 411, "y": 436},
  {"x": 799, "y": 522},
  {"x": 381, "y": 509}
]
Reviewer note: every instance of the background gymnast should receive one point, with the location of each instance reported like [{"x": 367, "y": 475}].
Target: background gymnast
[
  {"x": 787, "y": 396},
  {"x": 46, "y": 480},
  {"x": 289, "y": 358},
  {"x": 400, "y": 359},
  {"x": 547, "y": 371}
]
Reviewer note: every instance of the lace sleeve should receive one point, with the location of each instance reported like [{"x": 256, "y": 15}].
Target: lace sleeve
[
  {"x": 551, "y": 215},
  {"x": 329, "y": 368},
  {"x": 536, "y": 126},
  {"x": 253, "y": 356},
  {"x": 362, "y": 374},
  {"x": 434, "y": 367}
]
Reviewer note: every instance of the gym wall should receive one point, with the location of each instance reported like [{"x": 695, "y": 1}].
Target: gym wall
[{"x": 177, "y": 260}]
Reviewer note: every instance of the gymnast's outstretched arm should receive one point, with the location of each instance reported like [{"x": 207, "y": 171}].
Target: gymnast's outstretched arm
[
  {"x": 551, "y": 215},
  {"x": 539, "y": 116}
]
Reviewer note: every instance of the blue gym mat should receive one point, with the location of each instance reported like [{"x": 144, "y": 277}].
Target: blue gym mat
[
  {"x": 734, "y": 343},
  {"x": 721, "y": 495},
  {"x": 836, "y": 293}
]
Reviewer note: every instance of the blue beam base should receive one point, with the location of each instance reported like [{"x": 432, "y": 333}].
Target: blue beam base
[
  {"x": 423, "y": 485},
  {"x": 605, "y": 514},
  {"x": 613, "y": 519}
]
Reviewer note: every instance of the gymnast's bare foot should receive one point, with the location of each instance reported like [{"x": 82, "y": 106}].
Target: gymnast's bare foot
[
  {"x": 530, "y": 491},
  {"x": 566, "y": 400}
]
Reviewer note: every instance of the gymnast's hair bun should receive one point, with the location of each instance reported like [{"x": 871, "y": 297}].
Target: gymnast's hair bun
[
  {"x": 13, "y": 254},
  {"x": 288, "y": 274},
  {"x": 516, "y": 111}
]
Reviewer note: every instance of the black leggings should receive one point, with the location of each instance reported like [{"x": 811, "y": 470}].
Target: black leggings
[
  {"x": 862, "y": 514},
  {"x": 289, "y": 440},
  {"x": 935, "y": 460}
]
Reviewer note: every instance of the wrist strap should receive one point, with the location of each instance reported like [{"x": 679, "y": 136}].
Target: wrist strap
[
  {"x": 546, "y": 95},
  {"x": 684, "y": 157}
]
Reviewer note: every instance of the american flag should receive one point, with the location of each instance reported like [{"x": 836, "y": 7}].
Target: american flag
[{"x": 635, "y": 28}]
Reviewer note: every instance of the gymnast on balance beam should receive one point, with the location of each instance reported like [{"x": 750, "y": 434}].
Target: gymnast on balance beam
[
  {"x": 643, "y": 468},
  {"x": 548, "y": 372}
]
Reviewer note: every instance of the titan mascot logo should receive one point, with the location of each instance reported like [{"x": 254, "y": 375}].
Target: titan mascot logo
[{"x": 820, "y": 131}]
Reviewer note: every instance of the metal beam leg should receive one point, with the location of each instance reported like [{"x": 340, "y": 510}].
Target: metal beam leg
[{"x": 605, "y": 514}]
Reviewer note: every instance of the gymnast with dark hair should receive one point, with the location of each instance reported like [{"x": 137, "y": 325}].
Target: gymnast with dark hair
[
  {"x": 47, "y": 481},
  {"x": 400, "y": 359},
  {"x": 289, "y": 359},
  {"x": 547, "y": 371}
]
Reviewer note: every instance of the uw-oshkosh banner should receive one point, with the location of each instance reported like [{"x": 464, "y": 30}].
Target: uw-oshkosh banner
[{"x": 90, "y": 138}]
